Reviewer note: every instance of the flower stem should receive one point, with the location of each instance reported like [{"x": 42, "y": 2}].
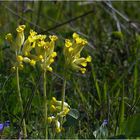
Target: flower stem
[
  {"x": 21, "y": 103},
  {"x": 63, "y": 94},
  {"x": 63, "y": 97},
  {"x": 45, "y": 102}
]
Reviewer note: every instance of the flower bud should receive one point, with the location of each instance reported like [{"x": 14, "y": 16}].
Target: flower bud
[
  {"x": 54, "y": 54},
  {"x": 19, "y": 58},
  {"x": 89, "y": 59},
  {"x": 75, "y": 35},
  {"x": 53, "y": 108},
  {"x": 9, "y": 37},
  {"x": 49, "y": 69},
  {"x": 26, "y": 60},
  {"x": 20, "y": 36},
  {"x": 83, "y": 70},
  {"x": 50, "y": 119},
  {"x": 32, "y": 62}
]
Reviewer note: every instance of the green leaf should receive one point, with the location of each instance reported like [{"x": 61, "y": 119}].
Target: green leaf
[
  {"x": 101, "y": 133},
  {"x": 74, "y": 113},
  {"x": 131, "y": 127},
  {"x": 117, "y": 35}
]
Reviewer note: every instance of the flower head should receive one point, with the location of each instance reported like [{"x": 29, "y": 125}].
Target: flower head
[
  {"x": 35, "y": 49},
  {"x": 58, "y": 113},
  {"x": 72, "y": 52}
]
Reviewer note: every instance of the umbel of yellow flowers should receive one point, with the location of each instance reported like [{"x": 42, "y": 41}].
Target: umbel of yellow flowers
[
  {"x": 72, "y": 52},
  {"x": 34, "y": 49},
  {"x": 57, "y": 113}
]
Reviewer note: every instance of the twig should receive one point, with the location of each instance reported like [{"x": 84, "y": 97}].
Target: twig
[
  {"x": 132, "y": 24},
  {"x": 68, "y": 21},
  {"x": 116, "y": 19}
]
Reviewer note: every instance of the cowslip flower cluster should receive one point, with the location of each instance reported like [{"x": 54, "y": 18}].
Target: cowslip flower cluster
[
  {"x": 34, "y": 49},
  {"x": 57, "y": 112},
  {"x": 72, "y": 52}
]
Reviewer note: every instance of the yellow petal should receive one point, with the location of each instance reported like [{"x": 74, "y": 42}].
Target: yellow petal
[
  {"x": 19, "y": 58},
  {"x": 32, "y": 62},
  {"x": 84, "y": 64},
  {"x": 75, "y": 35},
  {"x": 53, "y": 37},
  {"x": 20, "y": 28},
  {"x": 53, "y": 108},
  {"x": 83, "y": 70},
  {"x": 54, "y": 54},
  {"x": 71, "y": 49},
  {"x": 89, "y": 59},
  {"x": 49, "y": 69}
]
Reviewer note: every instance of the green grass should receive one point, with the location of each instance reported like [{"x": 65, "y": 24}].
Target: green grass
[{"x": 108, "y": 90}]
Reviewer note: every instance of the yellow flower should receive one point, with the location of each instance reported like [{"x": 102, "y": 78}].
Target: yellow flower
[
  {"x": 19, "y": 58},
  {"x": 58, "y": 103},
  {"x": 89, "y": 59},
  {"x": 83, "y": 70},
  {"x": 40, "y": 57},
  {"x": 53, "y": 108},
  {"x": 20, "y": 36},
  {"x": 84, "y": 64},
  {"x": 51, "y": 60},
  {"x": 42, "y": 43},
  {"x": 75, "y": 35},
  {"x": 49, "y": 69},
  {"x": 72, "y": 52},
  {"x": 53, "y": 100},
  {"x": 32, "y": 33},
  {"x": 32, "y": 62},
  {"x": 9, "y": 37},
  {"x": 54, "y": 54},
  {"x": 81, "y": 41},
  {"x": 70, "y": 49},
  {"x": 20, "y": 28},
  {"x": 26, "y": 53},
  {"x": 53, "y": 37},
  {"x": 84, "y": 42},
  {"x": 78, "y": 40},
  {"x": 64, "y": 112},
  {"x": 50, "y": 119},
  {"x": 68, "y": 43}
]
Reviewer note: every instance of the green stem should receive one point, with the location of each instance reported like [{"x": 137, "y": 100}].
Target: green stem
[
  {"x": 63, "y": 97},
  {"x": 21, "y": 103},
  {"x": 45, "y": 101}
]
